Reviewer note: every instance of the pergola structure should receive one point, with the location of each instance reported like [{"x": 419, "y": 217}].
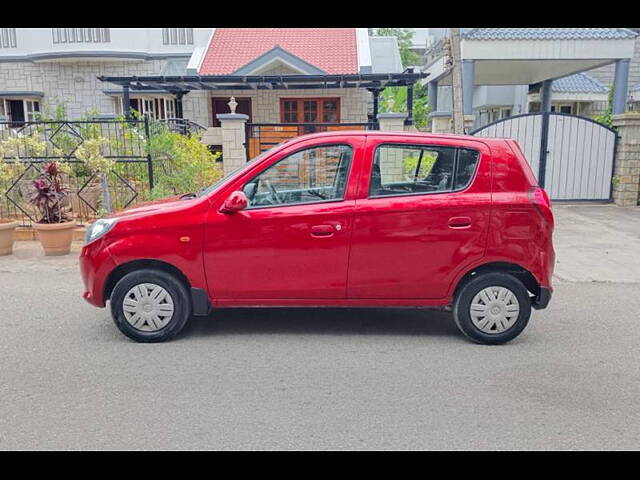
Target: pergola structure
[{"x": 181, "y": 85}]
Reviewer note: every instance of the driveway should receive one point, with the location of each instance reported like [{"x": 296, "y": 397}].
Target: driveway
[
  {"x": 330, "y": 379},
  {"x": 597, "y": 243}
]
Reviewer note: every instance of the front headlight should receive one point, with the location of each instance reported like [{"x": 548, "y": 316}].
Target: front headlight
[{"x": 98, "y": 229}]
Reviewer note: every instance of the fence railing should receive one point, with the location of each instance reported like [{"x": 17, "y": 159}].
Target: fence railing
[
  {"x": 261, "y": 137},
  {"x": 126, "y": 145},
  {"x": 182, "y": 126}
]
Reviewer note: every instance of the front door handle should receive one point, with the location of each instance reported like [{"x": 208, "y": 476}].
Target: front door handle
[
  {"x": 322, "y": 230},
  {"x": 459, "y": 223}
]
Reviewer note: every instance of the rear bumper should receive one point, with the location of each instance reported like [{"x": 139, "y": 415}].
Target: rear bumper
[{"x": 542, "y": 299}]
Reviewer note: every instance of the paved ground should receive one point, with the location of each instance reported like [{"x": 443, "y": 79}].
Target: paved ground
[
  {"x": 336, "y": 379},
  {"x": 597, "y": 243}
]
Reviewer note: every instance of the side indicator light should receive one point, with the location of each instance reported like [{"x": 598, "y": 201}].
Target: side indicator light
[{"x": 185, "y": 239}]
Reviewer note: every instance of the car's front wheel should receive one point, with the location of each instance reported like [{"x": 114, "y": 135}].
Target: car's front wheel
[
  {"x": 492, "y": 308},
  {"x": 150, "y": 305}
]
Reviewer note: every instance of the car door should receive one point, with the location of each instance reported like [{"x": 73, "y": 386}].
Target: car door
[
  {"x": 292, "y": 241},
  {"x": 422, "y": 214}
]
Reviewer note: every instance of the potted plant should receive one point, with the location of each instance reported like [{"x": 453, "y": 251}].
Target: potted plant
[
  {"x": 55, "y": 227},
  {"x": 7, "y": 225}
]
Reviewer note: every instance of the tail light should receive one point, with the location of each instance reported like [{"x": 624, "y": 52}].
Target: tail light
[{"x": 541, "y": 201}]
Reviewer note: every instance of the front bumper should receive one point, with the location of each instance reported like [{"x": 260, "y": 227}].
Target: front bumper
[
  {"x": 541, "y": 300},
  {"x": 95, "y": 265}
]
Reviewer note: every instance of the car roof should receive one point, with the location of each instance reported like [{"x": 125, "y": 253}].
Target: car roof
[{"x": 379, "y": 134}]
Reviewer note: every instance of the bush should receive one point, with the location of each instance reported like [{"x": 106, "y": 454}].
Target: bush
[{"x": 181, "y": 163}]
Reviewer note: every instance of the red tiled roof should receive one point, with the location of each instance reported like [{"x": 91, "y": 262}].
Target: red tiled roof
[{"x": 330, "y": 49}]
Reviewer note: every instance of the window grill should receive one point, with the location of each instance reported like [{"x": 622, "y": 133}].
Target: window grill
[
  {"x": 177, "y": 36},
  {"x": 8, "y": 38},
  {"x": 81, "y": 35}
]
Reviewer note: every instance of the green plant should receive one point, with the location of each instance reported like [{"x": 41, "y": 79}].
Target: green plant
[
  {"x": 421, "y": 106},
  {"x": 615, "y": 180},
  {"x": 607, "y": 117},
  {"x": 182, "y": 163},
  {"x": 409, "y": 165}
]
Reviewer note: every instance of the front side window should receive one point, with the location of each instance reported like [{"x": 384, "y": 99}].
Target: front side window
[
  {"x": 413, "y": 169},
  {"x": 313, "y": 175}
]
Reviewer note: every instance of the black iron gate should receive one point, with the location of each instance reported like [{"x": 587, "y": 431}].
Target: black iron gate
[{"x": 573, "y": 157}]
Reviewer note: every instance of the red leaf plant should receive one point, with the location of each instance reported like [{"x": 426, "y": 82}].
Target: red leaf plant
[{"x": 48, "y": 195}]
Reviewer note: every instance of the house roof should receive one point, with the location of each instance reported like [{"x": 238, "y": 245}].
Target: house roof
[
  {"x": 332, "y": 50},
  {"x": 578, "y": 83},
  {"x": 548, "y": 33}
]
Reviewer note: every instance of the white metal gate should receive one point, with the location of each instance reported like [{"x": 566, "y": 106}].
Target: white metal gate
[{"x": 572, "y": 156}]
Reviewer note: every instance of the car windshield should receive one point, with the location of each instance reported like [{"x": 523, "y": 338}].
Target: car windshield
[{"x": 207, "y": 190}]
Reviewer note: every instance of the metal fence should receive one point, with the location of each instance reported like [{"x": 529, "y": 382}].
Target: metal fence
[
  {"x": 264, "y": 136},
  {"x": 126, "y": 146}
]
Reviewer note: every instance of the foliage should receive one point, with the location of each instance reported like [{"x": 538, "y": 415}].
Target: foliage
[
  {"x": 409, "y": 165},
  {"x": 607, "y": 117},
  {"x": 48, "y": 194},
  {"x": 25, "y": 146},
  {"x": 181, "y": 163},
  {"x": 421, "y": 106},
  {"x": 91, "y": 153}
]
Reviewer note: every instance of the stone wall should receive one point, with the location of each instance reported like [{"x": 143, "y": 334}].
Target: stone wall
[{"x": 626, "y": 184}]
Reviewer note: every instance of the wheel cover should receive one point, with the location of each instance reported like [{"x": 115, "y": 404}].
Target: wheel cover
[
  {"x": 494, "y": 310},
  {"x": 147, "y": 307}
]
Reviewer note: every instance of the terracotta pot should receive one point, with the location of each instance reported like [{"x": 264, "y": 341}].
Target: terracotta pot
[
  {"x": 7, "y": 236},
  {"x": 55, "y": 238}
]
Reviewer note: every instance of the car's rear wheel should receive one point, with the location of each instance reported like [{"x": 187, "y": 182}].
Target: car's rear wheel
[
  {"x": 150, "y": 305},
  {"x": 492, "y": 308}
]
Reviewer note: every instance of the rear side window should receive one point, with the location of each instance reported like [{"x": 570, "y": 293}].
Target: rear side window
[
  {"x": 466, "y": 165},
  {"x": 420, "y": 169}
]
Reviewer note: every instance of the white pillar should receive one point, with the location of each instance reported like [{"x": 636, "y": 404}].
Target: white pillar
[
  {"x": 392, "y": 122},
  {"x": 234, "y": 153}
]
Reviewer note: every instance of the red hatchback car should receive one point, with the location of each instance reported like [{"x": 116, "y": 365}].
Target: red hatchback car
[{"x": 346, "y": 219}]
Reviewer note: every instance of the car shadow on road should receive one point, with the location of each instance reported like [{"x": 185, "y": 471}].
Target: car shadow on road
[{"x": 329, "y": 321}]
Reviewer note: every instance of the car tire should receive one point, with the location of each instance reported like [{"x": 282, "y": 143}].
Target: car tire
[
  {"x": 150, "y": 305},
  {"x": 492, "y": 308}
]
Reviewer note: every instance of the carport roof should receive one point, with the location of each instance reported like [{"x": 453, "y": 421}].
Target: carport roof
[
  {"x": 526, "y": 56},
  {"x": 548, "y": 33}
]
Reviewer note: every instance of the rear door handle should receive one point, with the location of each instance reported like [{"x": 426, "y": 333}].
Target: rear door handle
[
  {"x": 459, "y": 223},
  {"x": 323, "y": 230}
]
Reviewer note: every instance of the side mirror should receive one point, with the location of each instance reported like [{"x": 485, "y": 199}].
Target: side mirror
[{"x": 235, "y": 202}]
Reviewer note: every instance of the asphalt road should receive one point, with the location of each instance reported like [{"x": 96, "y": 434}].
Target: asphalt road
[{"x": 305, "y": 379}]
